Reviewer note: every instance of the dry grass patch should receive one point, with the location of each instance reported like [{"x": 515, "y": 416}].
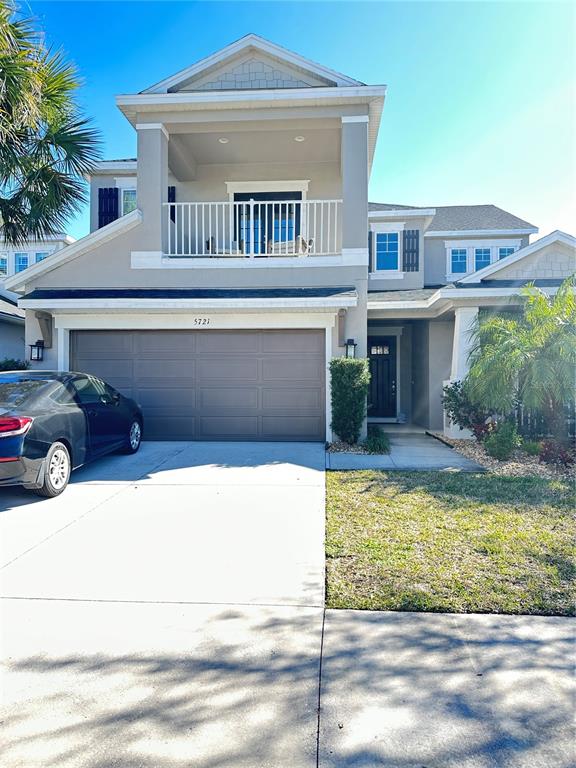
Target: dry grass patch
[{"x": 455, "y": 542}]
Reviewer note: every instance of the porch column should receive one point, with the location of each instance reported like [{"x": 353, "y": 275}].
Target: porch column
[
  {"x": 152, "y": 183},
  {"x": 354, "y": 169},
  {"x": 464, "y": 320}
]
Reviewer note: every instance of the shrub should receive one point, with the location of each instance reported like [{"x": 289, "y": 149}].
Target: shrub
[
  {"x": 463, "y": 412},
  {"x": 13, "y": 365},
  {"x": 501, "y": 443},
  {"x": 350, "y": 382},
  {"x": 555, "y": 452},
  {"x": 377, "y": 441},
  {"x": 531, "y": 447}
]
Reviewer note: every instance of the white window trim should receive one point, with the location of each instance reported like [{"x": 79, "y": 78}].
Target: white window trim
[
  {"x": 122, "y": 190},
  {"x": 389, "y": 228},
  {"x": 14, "y": 259},
  {"x": 282, "y": 185},
  {"x": 470, "y": 247},
  {"x": 125, "y": 182},
  {"x": 5, "y": 255}
]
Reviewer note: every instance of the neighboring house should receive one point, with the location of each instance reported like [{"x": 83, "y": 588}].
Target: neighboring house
[
  {"x": 235, "y": 256},
  {"x": 13, "y": 260}
]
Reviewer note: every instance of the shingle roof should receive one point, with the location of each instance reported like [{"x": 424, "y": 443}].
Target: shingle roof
[
  {"x": 464, "y": 217},
  {"x": 192, "y": 293}
]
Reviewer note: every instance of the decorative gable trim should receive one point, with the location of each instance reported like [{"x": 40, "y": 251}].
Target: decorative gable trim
[
  {"x": 258, "y": 44},
  {"x": 554, "y": 237}
]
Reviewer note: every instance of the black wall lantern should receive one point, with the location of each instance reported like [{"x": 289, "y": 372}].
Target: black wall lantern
[
  {"x": 37, "y": 351},
  {"x": 350, "y": 348}
]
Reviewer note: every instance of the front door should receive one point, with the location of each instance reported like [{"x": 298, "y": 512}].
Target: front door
[
  {"x": 276, "y": 219},
  {"x": 382, "y": 396}
]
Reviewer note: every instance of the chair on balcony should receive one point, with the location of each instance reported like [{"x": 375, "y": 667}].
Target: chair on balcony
[{"x": 296, "y": 247}]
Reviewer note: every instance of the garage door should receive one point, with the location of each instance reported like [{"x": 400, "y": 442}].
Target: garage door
[{"x": 214, "y": 385}]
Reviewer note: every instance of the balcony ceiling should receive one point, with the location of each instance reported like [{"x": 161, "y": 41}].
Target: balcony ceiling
[{"x": 186, "y": 151}]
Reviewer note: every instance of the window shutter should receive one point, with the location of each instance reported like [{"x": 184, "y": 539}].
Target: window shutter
[
  {"x": 172, "y": 199},
  {"x": 370, "y": 267},
  {"x": 410, "y": 255},
  {"x": 107, "y": 205}
]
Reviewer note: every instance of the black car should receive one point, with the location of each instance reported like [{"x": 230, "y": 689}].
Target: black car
[{"x": 51, "y": 423}]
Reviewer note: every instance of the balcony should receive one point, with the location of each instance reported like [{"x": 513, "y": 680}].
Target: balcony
[{"x": 253, "y": 229}]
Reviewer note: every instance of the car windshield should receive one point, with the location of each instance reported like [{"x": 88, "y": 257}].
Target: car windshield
[{"x": 15, "y": 389}]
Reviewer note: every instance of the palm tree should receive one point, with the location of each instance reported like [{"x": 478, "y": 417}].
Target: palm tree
[
  {"x": 46, "y": 146},
  {"x": 528, "y": 357}
]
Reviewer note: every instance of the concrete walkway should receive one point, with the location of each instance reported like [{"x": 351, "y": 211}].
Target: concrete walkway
[
  {"x": 166, "y": 611},
  {"x": 408, "y": 452}
]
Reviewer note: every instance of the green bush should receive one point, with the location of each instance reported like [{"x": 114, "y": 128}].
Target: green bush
[
  {"x": 531, "y": 447},
  {"x": 462, "y": 411},
  {"x": 501, "y": 443},
  {"x": 13, "y": 365},
  {"x": 350, "y": 381},
  {"x": 377, "y": 441}
]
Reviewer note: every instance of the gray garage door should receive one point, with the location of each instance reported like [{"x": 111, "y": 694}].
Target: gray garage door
[{"x": 214, "y": 385}]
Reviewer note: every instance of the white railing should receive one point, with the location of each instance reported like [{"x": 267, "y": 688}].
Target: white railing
[{"x": 253, "y": 228}]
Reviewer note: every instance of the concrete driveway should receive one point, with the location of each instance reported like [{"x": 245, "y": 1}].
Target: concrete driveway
[{"x": 166, "y": 610}]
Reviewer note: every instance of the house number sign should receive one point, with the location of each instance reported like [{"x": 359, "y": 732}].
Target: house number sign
[{"x": 201, "y": 321}]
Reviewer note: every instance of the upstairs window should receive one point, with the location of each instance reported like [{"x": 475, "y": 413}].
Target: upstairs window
[
  {"x": 20, "y": 262},
  {"x": 3, "y": 264},
  {"x": 503, "y": 252},
  {"x": 482, "y": 258},
  {"x": 387, "y": 251},
  {"x": 458, "y": 258},
  {"x": 41, "y": 255},
  {"x": 128, "y": 201}
]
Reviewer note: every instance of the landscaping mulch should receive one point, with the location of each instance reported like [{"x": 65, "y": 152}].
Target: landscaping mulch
[{"x": 520, "y": 465}]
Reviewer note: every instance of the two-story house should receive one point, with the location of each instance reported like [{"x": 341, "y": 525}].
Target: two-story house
[
  {"x": 13, "y": 260},
  {"x": 238, "y": 253}
]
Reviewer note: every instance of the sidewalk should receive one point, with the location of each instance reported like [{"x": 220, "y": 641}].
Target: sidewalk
[{"x": 408, "y": 452}]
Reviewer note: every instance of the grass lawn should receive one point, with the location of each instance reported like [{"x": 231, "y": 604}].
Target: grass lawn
[{"x": 454, "y": 542}]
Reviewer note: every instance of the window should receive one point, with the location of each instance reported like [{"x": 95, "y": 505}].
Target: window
[
  {"x": 3, "y": 264},
  {"x": 503, "y": 252},
  {"x": 41, "y": 255},
  {"x": 128, "y": 201},
  {"x": 482, "y": 257},
  {"x": 89, "y": 389},
  {"x": 387, "y": 250},
  {"x": 458, "y": 260},
  {"x": 20, "y": 261}
]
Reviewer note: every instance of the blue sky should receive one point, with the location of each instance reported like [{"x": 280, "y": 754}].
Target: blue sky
[{"x": 480, "y": 105}]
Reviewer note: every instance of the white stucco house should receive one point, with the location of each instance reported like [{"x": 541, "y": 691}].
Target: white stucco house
[{"x": 236, "y": 254}]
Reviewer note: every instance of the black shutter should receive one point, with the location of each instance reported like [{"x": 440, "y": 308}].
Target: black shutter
[
  {"x": 172, "y": 199},
  {"x": 107, "y": 205},
  {"x": 370, "y": 257},
  {"x": 410, "y": 255}
]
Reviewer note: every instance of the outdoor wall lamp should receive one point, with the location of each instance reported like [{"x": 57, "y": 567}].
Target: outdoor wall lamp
[
  {"x": 37, "y": 351},
  {"x": 350, "y": 348}
]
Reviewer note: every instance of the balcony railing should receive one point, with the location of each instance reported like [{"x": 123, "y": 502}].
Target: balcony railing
[{"x": 254, "y": 229}]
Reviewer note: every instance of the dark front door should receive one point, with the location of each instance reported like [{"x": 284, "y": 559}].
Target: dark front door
[{"x": 382, "y": 356}]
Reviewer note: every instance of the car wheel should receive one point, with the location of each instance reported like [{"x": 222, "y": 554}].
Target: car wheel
[
  {"x": 134, "y": 437},
  {"x": 57, "y": 471}
]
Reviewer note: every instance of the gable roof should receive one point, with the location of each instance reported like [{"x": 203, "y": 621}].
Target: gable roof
[
  {"x": 450, "y": 219},
  {"x": 251, "y": 42},
  {"x": 78, "y": 248},
  {"x": 554, "y": 237}
]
